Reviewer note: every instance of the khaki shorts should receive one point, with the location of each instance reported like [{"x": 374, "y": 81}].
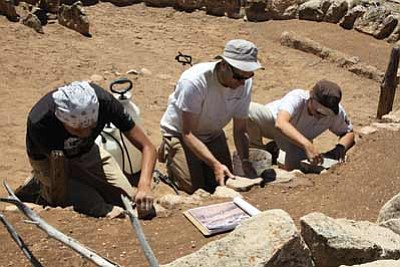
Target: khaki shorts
[
  {"x": 93, "y": 182},
  {"x": 188, "y": 171}
]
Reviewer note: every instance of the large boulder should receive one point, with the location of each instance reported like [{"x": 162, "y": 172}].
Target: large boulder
[
  {"x": 49, "y": 5},
  {"x": 160, "y": 3},
  {"x": 32, "y": 21},
  {"x": 256, "y": 10},
  {"x": 336, "y": 11},
  {"x": 7, "y": 8},
  {"x": 346, "y": 242},
  {"x": 215, "y": 8},
  {"x": 74, "y": 17},
  {"x": 189, "y": 5},
  {"x": 268, "y": 239},
  {"x": 233, "y": 8},
  {"x": 282, "y": 9},
  {"x": 376, "y": 21},
  {"x": 351, "y": 16},
  {"x": 314, "y": 10},
  {"x": 391, "y": 210}
]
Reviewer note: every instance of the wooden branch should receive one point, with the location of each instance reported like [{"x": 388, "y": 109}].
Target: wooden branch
[
  {"x": 148, "y": 252},
  {"x": 389, "y": 85},
  {"x": 54, "y": 233},
  {"x": 20, "y": 242}
]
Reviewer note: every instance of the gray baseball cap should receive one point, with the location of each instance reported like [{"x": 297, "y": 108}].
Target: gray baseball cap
[{"x": 241, "y": 54}]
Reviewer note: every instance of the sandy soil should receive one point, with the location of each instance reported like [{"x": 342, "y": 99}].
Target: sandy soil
[{"x": 137, "y": 37}]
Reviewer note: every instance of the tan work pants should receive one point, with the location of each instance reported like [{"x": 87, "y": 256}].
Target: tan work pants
[
  {"x": 188, "y": 171},
  {"x": 94, "y": 182}
]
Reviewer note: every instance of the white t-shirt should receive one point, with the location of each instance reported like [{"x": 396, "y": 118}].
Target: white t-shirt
[
  {"x": 198, "y": 91},
  {"x": 295, "y": 102}
]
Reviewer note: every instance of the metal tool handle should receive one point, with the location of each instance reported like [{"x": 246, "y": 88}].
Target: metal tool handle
[
  {"x": 184, "y": 59},
  {"x": 122, "y": 91}
]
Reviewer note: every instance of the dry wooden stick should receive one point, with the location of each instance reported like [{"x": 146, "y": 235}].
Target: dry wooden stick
[
  {"x": 389, "y": 85},
  {"x": 148, "y": 252},
  {"x": 54, "y": 233},
  {"x": 19, "y": 241}
]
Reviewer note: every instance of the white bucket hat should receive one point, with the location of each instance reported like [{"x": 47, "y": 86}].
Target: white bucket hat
[
  {"x": 76, "y": 105},
  {"x": 241, "y": 54}
]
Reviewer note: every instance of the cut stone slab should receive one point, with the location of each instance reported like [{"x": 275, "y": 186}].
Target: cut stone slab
[
  {"x": 335, "y": 242},
  {"x": 393, "y": 117},
  {"x": 243, "y": 184},
  {"x": 171, "y": 201},
  {"x": 391, "y": 209},
  {"x": 367, "y": 130},
  {"x": 392, "y": 224},
  {"x": 387, "y": 126},
  {"x": 225, "y": 192},
  {"x": 267, "y": 239},
  {"x": 382, "y": 263}
]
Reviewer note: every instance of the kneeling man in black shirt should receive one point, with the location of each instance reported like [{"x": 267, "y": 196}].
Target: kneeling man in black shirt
[{"x": 69, "y": 119}]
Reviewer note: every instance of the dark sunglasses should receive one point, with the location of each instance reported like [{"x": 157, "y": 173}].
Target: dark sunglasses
[{"x": 237, "y": 76}]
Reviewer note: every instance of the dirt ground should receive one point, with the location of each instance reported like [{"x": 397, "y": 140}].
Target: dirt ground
[{"x": 136, "y": 37}]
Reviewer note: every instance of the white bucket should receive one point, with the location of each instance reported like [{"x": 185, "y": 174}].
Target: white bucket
[{"x": 260, "y": 159}]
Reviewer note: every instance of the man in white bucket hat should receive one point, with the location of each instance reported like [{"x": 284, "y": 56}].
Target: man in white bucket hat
[
  {"x": 206, "y": 98},
  {"x": 68, "y": 120}
]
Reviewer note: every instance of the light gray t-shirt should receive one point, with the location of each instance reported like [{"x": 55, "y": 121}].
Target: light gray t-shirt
[
  {"x": 295, "y": 103},
  {"x": 198, "y": 91}
]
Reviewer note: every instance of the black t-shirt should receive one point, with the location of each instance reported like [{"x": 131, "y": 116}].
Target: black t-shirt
[{"x": 46, "y": 133}]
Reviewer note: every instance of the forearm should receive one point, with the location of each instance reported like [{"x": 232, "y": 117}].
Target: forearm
[
  {"x": 347, "y": 140},
  {"x": 241, "y": 143},
  {"x": 138, "y": 138},
  {"x": 199, "y": 149},
  {"x": 294, "y": 136},
  {"x": 147, "y": 167}
]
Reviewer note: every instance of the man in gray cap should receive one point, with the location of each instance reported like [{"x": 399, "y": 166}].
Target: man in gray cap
[
  {"x": 206, "y": 98},
  {"x": 69, "y": 119},
  {"x": 296, "y": 119}
]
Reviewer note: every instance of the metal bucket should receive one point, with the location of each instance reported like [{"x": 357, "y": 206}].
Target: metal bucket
[{"x": 260, "y": 159}]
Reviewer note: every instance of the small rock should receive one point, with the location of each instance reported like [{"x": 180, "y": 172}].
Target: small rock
[
  {"x": 145, "y": 71},
  {"x": 133, "y": 71},
  {"x": 164, "y": 76}
]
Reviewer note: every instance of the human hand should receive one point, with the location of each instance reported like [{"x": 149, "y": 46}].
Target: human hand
[
  {"x": 144, "y": 199},
  {"x": 248, "y": 169},
  {"x": 313, "y": 155},
  {"x": 221, "y": 172},
  {"x": 338, "y": 153}
]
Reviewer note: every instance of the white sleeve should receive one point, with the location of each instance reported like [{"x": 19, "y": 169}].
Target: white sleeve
[
  {"x": 189, "y": 97},
  {"x": 291, "y": 102},
  {"x": 342, "y": 124}
]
